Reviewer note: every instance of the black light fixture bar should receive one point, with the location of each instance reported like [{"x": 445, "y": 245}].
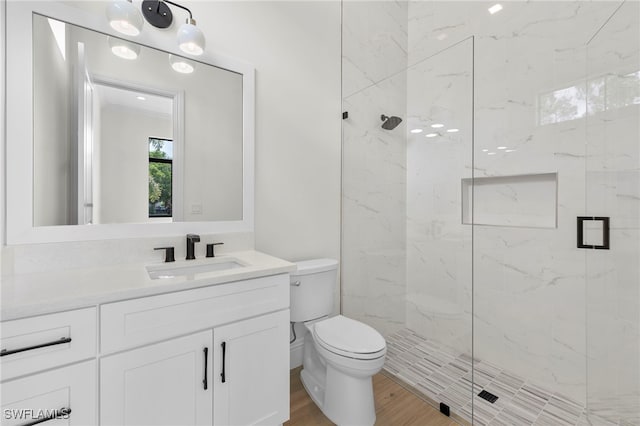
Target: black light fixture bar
[{"x": 158, "y": 14}]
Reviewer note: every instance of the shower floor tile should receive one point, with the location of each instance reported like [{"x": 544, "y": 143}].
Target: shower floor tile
[{"x": 443, "y": 376}]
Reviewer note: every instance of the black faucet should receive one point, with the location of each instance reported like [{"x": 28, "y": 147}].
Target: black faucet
[{"x": 191, "y": 240}]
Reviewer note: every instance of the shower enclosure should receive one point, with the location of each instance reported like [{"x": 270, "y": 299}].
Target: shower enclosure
[{"x": 493, "y": 236}]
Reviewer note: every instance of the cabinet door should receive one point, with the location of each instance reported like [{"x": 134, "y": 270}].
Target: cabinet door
[
  {"x": 167, "y": 383},
  {"x": 255, "y": 369},
  {"x": 67, "y": 394}
]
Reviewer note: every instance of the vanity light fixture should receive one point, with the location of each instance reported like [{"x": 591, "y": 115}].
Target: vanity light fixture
[
  {"x": 124, "y": 17},
  {"x": 123, "y": 49},
  {"x": 190, "y": 38},
  {"x": 181, "y": 65}
]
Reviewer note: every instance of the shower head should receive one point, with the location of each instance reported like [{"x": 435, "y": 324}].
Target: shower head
[{"x": 390, "y": 123}]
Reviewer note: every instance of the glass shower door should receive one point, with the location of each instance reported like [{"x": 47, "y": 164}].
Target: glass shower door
[{"x": 613, "y": 191}]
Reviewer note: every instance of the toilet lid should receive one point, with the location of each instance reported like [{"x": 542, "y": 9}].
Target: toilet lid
[{"x": 348, "y": 337}]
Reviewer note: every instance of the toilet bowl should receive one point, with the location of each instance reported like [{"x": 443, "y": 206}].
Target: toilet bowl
[{"x": 340, "y": 354}]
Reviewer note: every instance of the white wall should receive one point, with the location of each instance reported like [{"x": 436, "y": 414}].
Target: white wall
[
  {"x": 124, "y": 140},
  {"x": 2, "y": 137},
  {"x": 52, "y": 162},
  {"x": 374, "y": 163},
  {"x": 295, "y": 48}
]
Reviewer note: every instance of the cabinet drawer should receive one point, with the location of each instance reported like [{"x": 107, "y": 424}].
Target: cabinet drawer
[
  {"x": 140, "y": 321},
  {"x": 66, "y": 393},
  {"x": 38, "y": 343}
]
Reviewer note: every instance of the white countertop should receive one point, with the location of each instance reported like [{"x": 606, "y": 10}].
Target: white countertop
[{"x": 42, "y": 293}]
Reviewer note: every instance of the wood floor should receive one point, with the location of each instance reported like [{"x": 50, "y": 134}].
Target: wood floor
[{"x": 395, "y": 406}]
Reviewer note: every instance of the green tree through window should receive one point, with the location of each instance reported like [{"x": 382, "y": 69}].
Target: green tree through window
[{"x": 160, "y": 177}]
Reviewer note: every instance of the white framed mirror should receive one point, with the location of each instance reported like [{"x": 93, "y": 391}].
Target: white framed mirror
[{"x": 102, "y": 146}]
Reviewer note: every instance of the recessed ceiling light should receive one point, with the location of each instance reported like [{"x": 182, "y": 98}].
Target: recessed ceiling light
[
  {"x": 441, "y": 36},
  {"x": 502, "y": 147},
  {"x": 485, "y": 150},
  {"x": 142, "y": 98},
  {"x": 416, "y": 131},
  {"x": 453, "y": 130},
  {"x": 495, "y": 8},
  {"x": 491, "y": 153},
  {"x": 430, "y": 135},
  {"x": 510, "y": 150},
  {"x": 437, "y": 125}
]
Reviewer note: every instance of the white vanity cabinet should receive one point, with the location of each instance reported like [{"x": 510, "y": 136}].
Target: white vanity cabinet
[
  {"x": 67, "y": 394},
  {"x": 158, "y": 350},
  {"x": 251, "y": 380},
  {"x": 167, "y": 383},
  {"x": 29, "y": 346},
  {"x": 213, "y": 354}
]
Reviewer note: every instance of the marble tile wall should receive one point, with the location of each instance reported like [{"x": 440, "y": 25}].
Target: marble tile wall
[
  {"x": 533, "y": 76},
  {"x": 374, "y": 163},
  {"x": 438, "y": 244},
  {"x": 613, "y": 189},
  {"x": 529, "y": 284}
]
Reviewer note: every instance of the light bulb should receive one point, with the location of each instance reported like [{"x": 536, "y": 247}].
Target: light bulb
[
  {"x": 124, "y": 49},
  {"x": 124, "y": 17},
  {"x": 190, "y": 38},
  {"x": 181, "y": 65}
]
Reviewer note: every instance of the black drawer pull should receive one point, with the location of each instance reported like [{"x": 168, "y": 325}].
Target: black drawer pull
[
  {"x": 206, "y": 360},
  {"x": 61, "y": 413},
  {"x": 29, "y": 348},
  {"x": 224, "y": 350}
]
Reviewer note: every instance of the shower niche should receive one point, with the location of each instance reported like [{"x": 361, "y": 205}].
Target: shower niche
[{"x": 529, "y": 200}]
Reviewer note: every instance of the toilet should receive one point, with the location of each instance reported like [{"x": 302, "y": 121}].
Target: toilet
[{"x": 340, "y": 354}]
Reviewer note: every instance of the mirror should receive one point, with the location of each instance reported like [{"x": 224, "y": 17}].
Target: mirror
[
  {"x": 119, "y": 138},
  {"x": 123, "y": 159}
]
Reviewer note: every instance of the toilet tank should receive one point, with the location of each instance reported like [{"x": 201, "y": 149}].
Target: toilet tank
[{"x": 312, "y": 288}]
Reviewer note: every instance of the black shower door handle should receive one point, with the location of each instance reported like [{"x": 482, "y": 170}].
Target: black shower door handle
[{"x": 605, "y": 232}]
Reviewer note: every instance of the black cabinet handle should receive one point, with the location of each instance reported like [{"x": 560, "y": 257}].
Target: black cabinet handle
[
  {"x": 5, "y": 352},
  {"x": 224, "y": 350},
  {"x": 206, "y": 360},
  {"x": 61, "y": 413}
]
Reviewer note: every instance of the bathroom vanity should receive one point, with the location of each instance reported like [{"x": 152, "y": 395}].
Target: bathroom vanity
[{"x": 115, "y": 346}]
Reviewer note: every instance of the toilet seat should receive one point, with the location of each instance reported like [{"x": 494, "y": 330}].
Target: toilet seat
[{"x": 349, "y": 338}]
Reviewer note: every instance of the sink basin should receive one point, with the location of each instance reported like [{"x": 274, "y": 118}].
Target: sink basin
[{"x": 163, "y": 272}]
